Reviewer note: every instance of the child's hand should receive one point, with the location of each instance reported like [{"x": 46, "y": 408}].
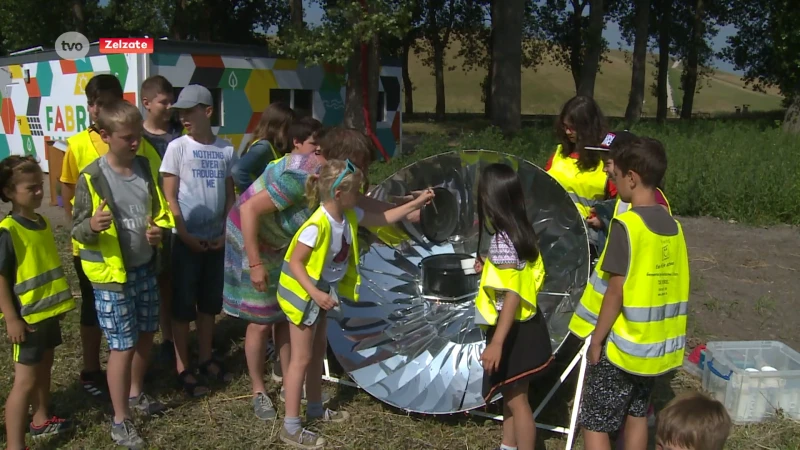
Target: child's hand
[
  {"x": 478, "y": 266},
  {"x": 259, "y": 277},
  {"x": 194, "y": 244},
  {"x": 101, "y": 220},
  {"x": 491, "y": 357},
  {"x": 324, "y": 300},
  {"x": 153, "y": 232},
  {"x": 17, "y": 329},
  {"x": 217, "y": 244},
  {"x": 594, "y": 222},
  {"x": 424, "y": 197}
]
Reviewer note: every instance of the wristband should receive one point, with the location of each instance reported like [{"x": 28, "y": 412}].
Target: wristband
[{"x": 256, "y": 265}]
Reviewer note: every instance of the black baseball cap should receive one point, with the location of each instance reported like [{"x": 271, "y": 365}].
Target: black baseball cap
[{"x": 613, "y": 139}]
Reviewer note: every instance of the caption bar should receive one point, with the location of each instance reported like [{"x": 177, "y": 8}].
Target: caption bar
[{"x": 126, "y": 45}]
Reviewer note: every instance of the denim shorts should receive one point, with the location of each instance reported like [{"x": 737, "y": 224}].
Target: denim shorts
[{"x": 123, "y": 315}]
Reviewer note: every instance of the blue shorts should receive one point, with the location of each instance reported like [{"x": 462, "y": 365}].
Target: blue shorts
[{"x": 122, "y": 315}]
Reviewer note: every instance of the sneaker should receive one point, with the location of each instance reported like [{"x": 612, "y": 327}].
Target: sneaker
[
  {"x": 325, "y": 396},
  {"x": 95, "y": 384},
  {"x": 146, "y": 405},
  {"x": 51, "y": 427},
  {"x": 302, "y": 439},
  {"x": 334, "y": 416},
  {"x": 263, "y": 407},
  {"x": 125, "y": 435}
]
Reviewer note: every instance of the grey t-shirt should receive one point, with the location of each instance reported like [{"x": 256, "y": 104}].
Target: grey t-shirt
[
  {"x": 8, "y": 258},
  {"x": 133, "y": 204},
  {"x": 656, "y": 218},
  {"x": 161, "y": 141}
]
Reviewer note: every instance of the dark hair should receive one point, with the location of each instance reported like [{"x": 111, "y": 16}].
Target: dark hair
[
  {"x": 347, "y": 143},
  {"x": 501, "y": 201},
  {"x": 102, "y": 89},
  {"x": 272, "y": 126},
  {"x": 645, "y": 156},
  {"x": 590, "y": 126},
  {"x": 13, "y": 166},
  {"x": 303, "y": 129},
  {"x": 155, "y": 85},
  {"x": 693, "y": 421}
]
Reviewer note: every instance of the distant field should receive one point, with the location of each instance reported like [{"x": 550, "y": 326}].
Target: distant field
[{"x": 547, "y": 87}]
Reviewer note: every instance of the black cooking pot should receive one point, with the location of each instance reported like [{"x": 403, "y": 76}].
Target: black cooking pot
[
  {"x": 444, "y": 276},
  {"x": 439, "y": 218}
]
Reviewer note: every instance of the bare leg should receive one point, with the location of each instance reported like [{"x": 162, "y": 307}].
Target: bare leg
[
  {"x": 593, "y": 440},
  {"x": 635, "y": 433},
  {"x": 509, "y": 439},
  {"x": 302, "y": 343},
  {"x": 41, "y": 396},
  {"x": 140, "y": 361},
  {"x": 524, "y": 427},
  {"x": 205, "y": 336},
  {"x": 90, "y": 344},
  {"x": 316, "y": 365},
  {"x": 282, "y": 345},
  {"x": 119, "y": 382},
  {"x": 255, "y": 350},
  {"x": 17, "y": 405},
  {"x": 165, "y": 321}
]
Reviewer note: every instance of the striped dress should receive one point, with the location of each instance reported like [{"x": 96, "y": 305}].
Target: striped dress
[{"x": 284, "y": 181}]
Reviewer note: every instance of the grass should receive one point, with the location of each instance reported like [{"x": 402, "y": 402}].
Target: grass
[
  {"x": 224, "y": 419},
  {"x": 548, "y": 86}
]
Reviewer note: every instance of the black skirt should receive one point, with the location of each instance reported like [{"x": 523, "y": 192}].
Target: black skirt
[{"x": 527, "y": 353}]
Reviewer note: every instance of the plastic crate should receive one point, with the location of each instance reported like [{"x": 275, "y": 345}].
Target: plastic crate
[{"x": 753, "y": 379}]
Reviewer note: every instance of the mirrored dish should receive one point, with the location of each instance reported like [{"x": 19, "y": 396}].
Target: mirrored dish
[{"x": 420, "y": 351}]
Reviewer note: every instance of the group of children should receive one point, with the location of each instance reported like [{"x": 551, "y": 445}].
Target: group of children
[{"x": 148, "y": 202}]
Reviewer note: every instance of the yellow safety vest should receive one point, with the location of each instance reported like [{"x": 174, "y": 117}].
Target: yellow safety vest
[
  {"x": 585, "y": 188},
  {"x": 292, "y": 298},
  {"x": 85, "y": 153},
  {"x": 620, "y": 207},
  {"x": 41, "y": 285},
  {"x": 102, "y": 262},
  {"x": 524, "y": 282},
  {"x": 649, "y": 336}
]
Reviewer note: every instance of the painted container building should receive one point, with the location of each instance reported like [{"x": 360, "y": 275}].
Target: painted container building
[{"x": 42, "y": 95}]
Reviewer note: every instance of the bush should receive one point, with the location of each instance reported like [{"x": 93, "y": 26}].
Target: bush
[{"x": 730, "y": 169}]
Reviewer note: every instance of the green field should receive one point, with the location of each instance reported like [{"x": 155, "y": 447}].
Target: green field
[{"x": 547, "y": 87}]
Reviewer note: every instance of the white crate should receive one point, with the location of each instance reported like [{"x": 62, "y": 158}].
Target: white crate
[{"x": 753, "y": 379}]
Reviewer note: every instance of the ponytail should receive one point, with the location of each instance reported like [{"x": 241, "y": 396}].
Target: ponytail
[{"x": 312, "y": 191}]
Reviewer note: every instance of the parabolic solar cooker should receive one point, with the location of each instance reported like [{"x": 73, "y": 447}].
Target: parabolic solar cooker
[{"x": 411, "y": 340}]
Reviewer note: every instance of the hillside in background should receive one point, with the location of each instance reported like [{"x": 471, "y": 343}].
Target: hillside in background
[{"x": 547, "y": 87}]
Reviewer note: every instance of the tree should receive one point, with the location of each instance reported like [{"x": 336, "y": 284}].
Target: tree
[
  {"x": 17, "y": 17},
  {"x": 507, "y": 23},
  {"x": 594, "y": 48},
  {"x": 636, "y": 96},
  {"x": 767, "y": 48},
  {"x": 438, "y": 22}
]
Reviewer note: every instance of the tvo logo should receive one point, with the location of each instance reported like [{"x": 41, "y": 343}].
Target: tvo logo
[{"x": 72, "y": 45}]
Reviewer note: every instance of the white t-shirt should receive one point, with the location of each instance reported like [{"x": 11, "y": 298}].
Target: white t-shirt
[
  {"x": 202, "y": 170},
  {"x": 339, "y": 251}
]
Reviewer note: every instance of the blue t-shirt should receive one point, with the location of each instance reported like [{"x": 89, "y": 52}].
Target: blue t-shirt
[
  {"x": 253, "y": 163},
  {"x": 203, "y": 171}
]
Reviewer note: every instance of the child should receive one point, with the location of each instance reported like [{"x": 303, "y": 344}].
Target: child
[
  {"x": 269, "y": 142},
  {"x": 199, "y": 187},
  {"x": 635, "y": 304},
  {"x": 578, "y": 169},
  {"x": 118, "y": 215},
  {"x": 518, "y": 344},
  {"x": 693, "y": 422},
  {"x": 325, "y": 248},
  {"x": 34, "y": 296},
  {"x": 83, "y": 148},
  {"x": 160, "y": 129}
]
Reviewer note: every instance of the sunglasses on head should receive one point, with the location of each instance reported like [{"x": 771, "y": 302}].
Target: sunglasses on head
[{"x": 348, "y": 168}]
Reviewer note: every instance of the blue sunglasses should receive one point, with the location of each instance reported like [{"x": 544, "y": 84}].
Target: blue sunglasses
[{"x": 348, "y": 168}]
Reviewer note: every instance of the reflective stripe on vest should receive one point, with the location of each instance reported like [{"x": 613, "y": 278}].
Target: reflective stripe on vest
[
  {"x": 621, "y": 206},
  {"x": 524, "y": 282},
  {"x": 585, "y": 188},
  {"x": 41, "y": 285},
  {"x": 649, "y": 336},
  {"x": 292, "y": 297}
]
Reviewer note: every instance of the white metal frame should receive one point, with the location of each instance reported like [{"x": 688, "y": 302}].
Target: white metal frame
[{"x": 571, "y": 430}]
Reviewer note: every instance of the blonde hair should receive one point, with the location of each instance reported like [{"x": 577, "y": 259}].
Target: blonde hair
[
  {"x": 318, "y": 188},
  {"x": 114, "y": 115},
  {"x": 693, "y": 421}
]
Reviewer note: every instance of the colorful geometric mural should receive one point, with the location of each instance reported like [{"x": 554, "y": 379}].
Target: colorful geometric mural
[{"x": 51, "y": 104}]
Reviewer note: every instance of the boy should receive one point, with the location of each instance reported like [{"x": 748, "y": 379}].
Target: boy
[
  {"x": 693, "y": 422},
  {"x": 34, "y": 296},
  {"x": 635, "y": 304},
  {"x": 160, "y": 129},
  {"x": 118, "y": 215},
  {"x": 199, "y": 188}
]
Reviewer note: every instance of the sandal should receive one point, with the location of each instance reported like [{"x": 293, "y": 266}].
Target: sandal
[
  {"x": 221, "y": 376},
  {"x": 191, "y": 387}
]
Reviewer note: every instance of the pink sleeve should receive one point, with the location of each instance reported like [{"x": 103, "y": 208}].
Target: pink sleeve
[{"x": 660, "y": 199}]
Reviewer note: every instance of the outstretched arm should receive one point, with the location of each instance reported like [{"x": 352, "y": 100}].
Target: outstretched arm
[{"x": 396, "y": 214}]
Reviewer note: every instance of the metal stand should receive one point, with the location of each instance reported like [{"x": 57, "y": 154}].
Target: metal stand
[{"x": 579, "y": 360}]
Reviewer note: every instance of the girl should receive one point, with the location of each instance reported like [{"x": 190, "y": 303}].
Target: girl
[
  {"x": 320, "y": 263},
  {"x": 34, "y": 296},
  {"x": 574, "y": 165},
  {"x": 269, "y": 142},
  {"x": 518, "y": 345}
]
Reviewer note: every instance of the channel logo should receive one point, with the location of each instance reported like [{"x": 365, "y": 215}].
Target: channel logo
[{"x": 72, "y": 45}]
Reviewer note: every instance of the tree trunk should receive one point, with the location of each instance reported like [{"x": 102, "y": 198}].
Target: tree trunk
[
  {"x": 373, "y": 79},
  {"x": 408, "y": 87},
  {"x": 507, "y": 65},
  {"x": 438, "y": 71},
  {"x": 296, "y": 11},
  {"x": 593, "y": 49},
  {"x": 634, "y": 110},
  {"x": 178, "y": 28},
  {"x": 576, "y": 48},
  {"x": 690, "y": 75},
  {"x": 77, "y": 14},
  {"x": 487, "y": 82},
  {"x": 354, "y": 98},
  {"x": 663, "y": 60},
  {"x": 791, "y": 121}
]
